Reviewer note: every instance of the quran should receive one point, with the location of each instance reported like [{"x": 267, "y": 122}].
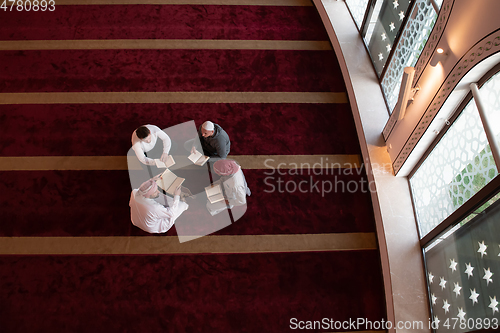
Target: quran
[
  {"x": 169, "y": 182},
  {"x": 160, "y": 164},
  {"x": 198, "y": 158},
  {"x": 214, "y": 193}
]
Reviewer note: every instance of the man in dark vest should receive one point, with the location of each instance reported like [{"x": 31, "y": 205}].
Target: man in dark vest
[{"x": 214, "y": 140}]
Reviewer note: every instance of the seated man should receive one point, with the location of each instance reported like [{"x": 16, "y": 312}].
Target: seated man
[
  {"x": 150, "y": 215},
  {"x": 214, "y": 140},
  {"x": 145, "y": 138},
  {"x": 233, "y": 183}
]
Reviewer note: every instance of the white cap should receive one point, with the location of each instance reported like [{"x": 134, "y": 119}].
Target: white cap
[{"x": 208, "y": 125}]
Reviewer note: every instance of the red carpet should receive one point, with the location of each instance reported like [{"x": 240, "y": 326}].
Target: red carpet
[
  {"x": 169, "y": 70},
  {"x": 188, "y": 293},
  {"x": 73, "y": 130},
  {"x": 257, "y": 292},
  {"x": 165, "y": 22},
  {"x": 95, "y": 203}
]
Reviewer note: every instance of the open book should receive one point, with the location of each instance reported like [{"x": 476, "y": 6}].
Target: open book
[
  {"x": 198, "y": 158},
  {"x": 169, "y": 182},
  {"x": 160, "y": 164},
  {"x": 214, "y": 193}
]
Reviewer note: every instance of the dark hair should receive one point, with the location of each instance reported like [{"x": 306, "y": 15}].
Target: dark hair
[{"x": 142, "y": 132}]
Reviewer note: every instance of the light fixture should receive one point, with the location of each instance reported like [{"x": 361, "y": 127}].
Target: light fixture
[
  {"x": 439, "y": 56},
  {"x": 406, "y": 92}
]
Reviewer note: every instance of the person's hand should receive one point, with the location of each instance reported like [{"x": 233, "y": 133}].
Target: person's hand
[
  {"x": 164, "y": 158},
  {"x": 193, "y": 150},
  {"x": 227, "y": 202},
  {"x": 157, "y": 176},
  {"x": 177, "y": 191}
]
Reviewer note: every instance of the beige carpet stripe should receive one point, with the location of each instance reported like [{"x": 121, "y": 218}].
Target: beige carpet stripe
[
  {"x": 274, "y": 163},
  {"x": 171, "y": 244},
  {"x": 119, "y": 44},
  {"x": 188, "y": 2},
  {"x": 298, "y": 161},
  {"x": 171, "y": 97}
]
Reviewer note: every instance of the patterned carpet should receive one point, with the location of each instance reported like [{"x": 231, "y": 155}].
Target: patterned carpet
[{"x": 114, "y": 290}]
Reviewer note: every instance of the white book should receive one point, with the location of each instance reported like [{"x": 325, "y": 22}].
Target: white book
[
  {"x": 198, "y": 158},
  {"x": 160, "y": 164},
  {"x": 216, "y": 208},
  {"x": 214, "y": 193},
  {"x": 169, "y": 182}
]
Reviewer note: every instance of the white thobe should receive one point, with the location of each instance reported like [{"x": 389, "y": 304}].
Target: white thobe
[
  {"x": 140, "y": 147},
  {"x": 235, "y": 191},
  {"x": 153, "y": 217}
]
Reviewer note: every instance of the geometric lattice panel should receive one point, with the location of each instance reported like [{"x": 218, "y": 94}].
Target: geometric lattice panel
[
  {"x": 357, "y": 9},
  {"x": 410, "y": 45},
  {"x": 457, "y": 168},
  {"x": 473, "y": 177},
  {"x": 491, "y": 100},
  {"x": 484, "y": 48},
  {"x": 423, "y": 59}
]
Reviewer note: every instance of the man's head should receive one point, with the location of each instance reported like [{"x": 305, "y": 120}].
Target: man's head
[
  {"x": 226, "y": 167},
  {"x": 149, "y": 189},
  {"x": 207, "y": 129},
  {"x": 143, "y": 134}
]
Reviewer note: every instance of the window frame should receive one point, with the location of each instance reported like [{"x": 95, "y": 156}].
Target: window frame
[
  {"x": 363, "y": 29},
  {"x": 477, "y": 199}
]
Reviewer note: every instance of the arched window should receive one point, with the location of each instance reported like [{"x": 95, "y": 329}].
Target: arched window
[
  {"x": 456, "y": 193},
  {"x": 395, "y": 33},
  {"x": 459, "y": 164}
]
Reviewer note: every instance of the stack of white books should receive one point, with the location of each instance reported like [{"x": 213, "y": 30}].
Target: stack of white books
[{"x": 214, "y": 193}]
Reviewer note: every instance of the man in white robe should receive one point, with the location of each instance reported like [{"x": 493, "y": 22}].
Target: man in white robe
[
  {"x": 144, "y": 139},
  {"x": 150, "y": 215},
  {"x": 233, "y": 183}
]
